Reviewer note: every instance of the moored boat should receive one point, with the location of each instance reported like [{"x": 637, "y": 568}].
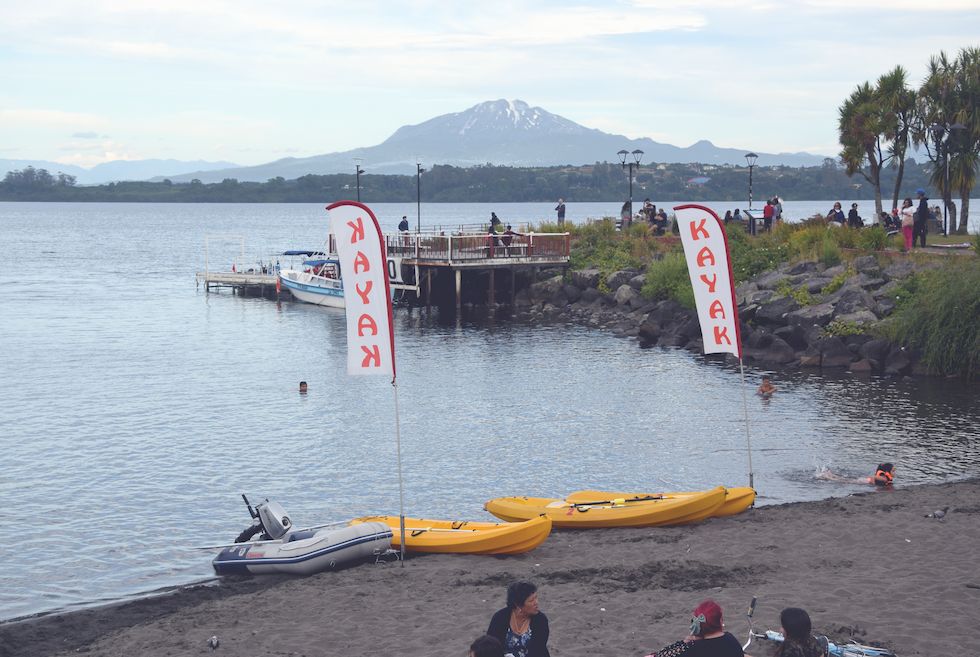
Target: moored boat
[
  {"x": 284, "y": 549},
  {"x": 465, "y": 536},
  {"x": 317, "y": 283},
  {"x": 609, "y": 512}
]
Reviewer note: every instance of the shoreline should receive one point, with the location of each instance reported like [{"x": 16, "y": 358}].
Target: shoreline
[{"x": 868, "y": 566}]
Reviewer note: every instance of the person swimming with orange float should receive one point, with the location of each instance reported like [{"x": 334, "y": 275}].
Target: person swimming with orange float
[{"x": 884, "y": 476}]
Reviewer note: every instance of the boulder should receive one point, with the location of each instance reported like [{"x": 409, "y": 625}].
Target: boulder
[
  {"x": 523, "y": 299},
  {"x": 625, "y": 294},
  {"x": 667, "y": 311},
  {"x": 637, "y": 281},
  {"x": 818, "y": 315},
  {"x": 747, "y": 313},
  {"x": 779, "y": 352},
  {"x": 770, "y": 280},
  {"x": 812, "y": 360},
  {"x": 859, "y": 318},
  {"x": 899, "y": 270},
  {"x": 867, "y": 281},
  {"x": 546, "y": 290},
  {"x": 760, "y": 339},
  {"x": 866, "y": 264},
  {"x": 876, "y": 349},
  {"x": 889, "y": 289},
  {"x": 898, "y": 361},
  {"x": 571, "y": 292},
  {"x": 816, "y": 285},
  {"x": 806, "y": 267},
  {"x": 834, "y": 353},
  {"x": 743, "y": 289},
  {"x": 793, "y": 335},
  {"x": 590, "y": 294},
  {"x": 758, "y": 297},
  {"x": 853, "y": 300},
  {"x": 834, "y": 271},
  {"x": 863, "y": 366},
  {"x": 885, "y": 307},
  {"x": 617, "y": 278},
  {"x": 649, "y": 332},
  {"x": 586, "y": 278},
  {"x": 774, "y": 312}
]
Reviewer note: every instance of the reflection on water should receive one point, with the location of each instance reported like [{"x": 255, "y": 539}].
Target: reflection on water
[{"x": 135, "y": 409}]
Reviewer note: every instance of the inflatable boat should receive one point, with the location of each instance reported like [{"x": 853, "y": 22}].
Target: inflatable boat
[{"x": 283, "y": 549}]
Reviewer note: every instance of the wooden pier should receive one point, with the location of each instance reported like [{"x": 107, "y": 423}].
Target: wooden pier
[{"x": 422, "y": 261}]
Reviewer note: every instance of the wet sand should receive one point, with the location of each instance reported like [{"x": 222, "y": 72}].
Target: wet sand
[{"x": 869, "y": 567}]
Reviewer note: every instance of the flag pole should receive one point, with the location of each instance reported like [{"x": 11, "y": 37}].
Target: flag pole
[
  {"x": 401, "y": 488},
  {"x": 745, "y": 406}
]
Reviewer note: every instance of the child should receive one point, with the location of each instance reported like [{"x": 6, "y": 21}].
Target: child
[{"x": 884, "y": 476}]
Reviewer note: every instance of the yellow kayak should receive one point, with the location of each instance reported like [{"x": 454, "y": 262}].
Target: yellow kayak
[
  {"x": 736, "y": 499},
  {"x": 609, "y": 511},
  {"x": 465, "y": 536}
]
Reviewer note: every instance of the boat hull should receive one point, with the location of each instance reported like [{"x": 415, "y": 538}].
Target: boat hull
[
  {"x": 317, "y": 290},
  {"x": 609, "y": 512},
  {"x": 466, "y": 536},
  {"x": 306, "y": 552},
  {"x": 736, "y": 499}
]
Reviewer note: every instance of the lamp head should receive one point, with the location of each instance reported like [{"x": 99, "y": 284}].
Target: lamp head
[
  {"x": 622, "y": 156},
  {"x": 637, "y": 155},
  {"x": 750, "y": 158}
]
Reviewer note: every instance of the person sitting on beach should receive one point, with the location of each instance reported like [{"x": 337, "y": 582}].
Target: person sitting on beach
[
  {"x": 520, "y": 627},
  {"x": 836, "y": 215},
  {"x": 767, "y": 388},
  {"x": 486, "y": 646},
  {"x": 708, "y": 633},
  {"x": 797, "y": 638}
]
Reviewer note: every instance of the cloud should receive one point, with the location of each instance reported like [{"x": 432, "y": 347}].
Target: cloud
[{"x": 85, "y": 135}]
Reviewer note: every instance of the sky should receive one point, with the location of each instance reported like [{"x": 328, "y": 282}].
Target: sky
[{"x": 250, "y": 82}]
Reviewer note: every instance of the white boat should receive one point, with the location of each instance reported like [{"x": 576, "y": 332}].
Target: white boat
[
  {"x": 284, "y": 549},
  {"x": 317, "y": 283}
]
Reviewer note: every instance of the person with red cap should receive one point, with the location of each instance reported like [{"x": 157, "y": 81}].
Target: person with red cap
[{"x": 708, "y": 636}]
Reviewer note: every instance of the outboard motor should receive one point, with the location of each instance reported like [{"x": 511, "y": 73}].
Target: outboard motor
[
  {"x": 269, "y": 518},
  {"x": 274, "y": 520}
]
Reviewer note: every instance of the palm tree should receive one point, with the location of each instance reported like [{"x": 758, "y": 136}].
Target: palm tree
[
  {"x": 898, "y": 102},
  {"x": 861, "y": 128}
]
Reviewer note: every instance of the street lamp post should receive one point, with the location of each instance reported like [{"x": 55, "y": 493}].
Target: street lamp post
[
  {"x": 357, "y": 175},
  {"x": 750, "y": 159},
  {"x": 418, "y": 196},
  {"x": 637, "y": 156},
  {"x": 942, "y": 135}
]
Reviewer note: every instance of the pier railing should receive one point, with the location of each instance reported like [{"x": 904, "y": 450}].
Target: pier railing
[{"x": 473, "y": 248}]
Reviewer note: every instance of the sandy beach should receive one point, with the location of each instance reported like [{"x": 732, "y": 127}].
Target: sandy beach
[{"x": 869, "y": 567}]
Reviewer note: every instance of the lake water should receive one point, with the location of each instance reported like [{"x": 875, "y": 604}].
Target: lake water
[{"x": 134, "y": 408}]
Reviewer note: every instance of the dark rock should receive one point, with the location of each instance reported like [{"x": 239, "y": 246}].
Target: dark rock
[
  {"x": 899, "y": 270},
  {"x": 834, "y": 353},
  {"x": 522, "y": 299},
  {"x": 866, "y": 264},
  {"x": 650, "y": 332},
  {"x": 836, "y": 270},
  {"x": 814, "y": 335},
  {"x": 743, "y": 289},
  {"x": 571, "y": 292},
  {"x": 897, "y": 361},
  {"x": 759, "y": 340},
  {"x": 770, "y": 280},
  {"x": 889, "y": 289},
  {"x": 586, "y": 278},
  {"x": 793, "y": 335},
  {"x": 862, "y": 366},
  {"x": 590, "y": 294},
  {"x": 885, "y": 307},
  {"x": 747, "y": 314},
  {"x": 779, "y": 352},
  {"x": 696, "y": 345},
  {"x": 666, "y": 311},
  {"x": 637, "y": 281},
  {"x": 625, "y": 294},
  {"x": 859, "y": 317},
  {"x": 867, "y": 281},
  {"x": 546, "y": 290},
  {"x": 617, "y": 278},
  {"x": 875, "y": 349},
  {"x": 810, "y": 361},
  {"x": 809, "y": 316},
  {"x": 758, "y": 297},
  {"x": 853, "y": 300},
  {"x": 775, "y": 312},
  {"x": 806, "y": 267},
  {"x": 816, "y": 285}
]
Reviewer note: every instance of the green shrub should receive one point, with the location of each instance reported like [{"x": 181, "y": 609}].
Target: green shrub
[
  {"x": 669, "y": 279},
  {"x": 753, "y": 255},
  {"x": 976, "y": 243},
  {"x": 840, "y": 329},
  {"x": 873, "y": 239},
  {"x": 600, "y": 245},
  {"x": 830, "y": 254},
  {"x": 837, "y": 282},
  {"x": 800, "y": 294},
  {"x": 939, "y": 318}
]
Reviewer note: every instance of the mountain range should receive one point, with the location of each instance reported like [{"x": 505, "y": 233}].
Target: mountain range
[
  {"x": 500, "y": 132},
  {"x": 117, "y": 169}
]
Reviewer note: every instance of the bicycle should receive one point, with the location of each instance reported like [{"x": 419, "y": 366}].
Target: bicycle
[{"x": 851, "y": 649}]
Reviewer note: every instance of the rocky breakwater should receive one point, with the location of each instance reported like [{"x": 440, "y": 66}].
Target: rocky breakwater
[{"x": 801, "y": 315}]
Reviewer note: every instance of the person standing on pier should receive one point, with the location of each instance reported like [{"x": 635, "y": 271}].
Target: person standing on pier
[
  {"x": 403, "y": 224},
  {"x": 561, "y": 211}
]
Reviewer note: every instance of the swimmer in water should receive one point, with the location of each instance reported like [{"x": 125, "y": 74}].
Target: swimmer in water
[
  {"x": 884, "y": 476},
  {"x": 766, "y": 389}
]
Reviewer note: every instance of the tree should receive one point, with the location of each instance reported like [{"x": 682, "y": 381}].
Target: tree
[
  {"x": 950, "y": 96},
  {"x": 898, "y": 104},
  {"x": 862, "y": 126}
]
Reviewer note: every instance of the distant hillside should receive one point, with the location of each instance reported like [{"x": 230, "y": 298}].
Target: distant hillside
[
  {"x": 116, "y": 170},
  {"x": 502, "y": 133}
]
